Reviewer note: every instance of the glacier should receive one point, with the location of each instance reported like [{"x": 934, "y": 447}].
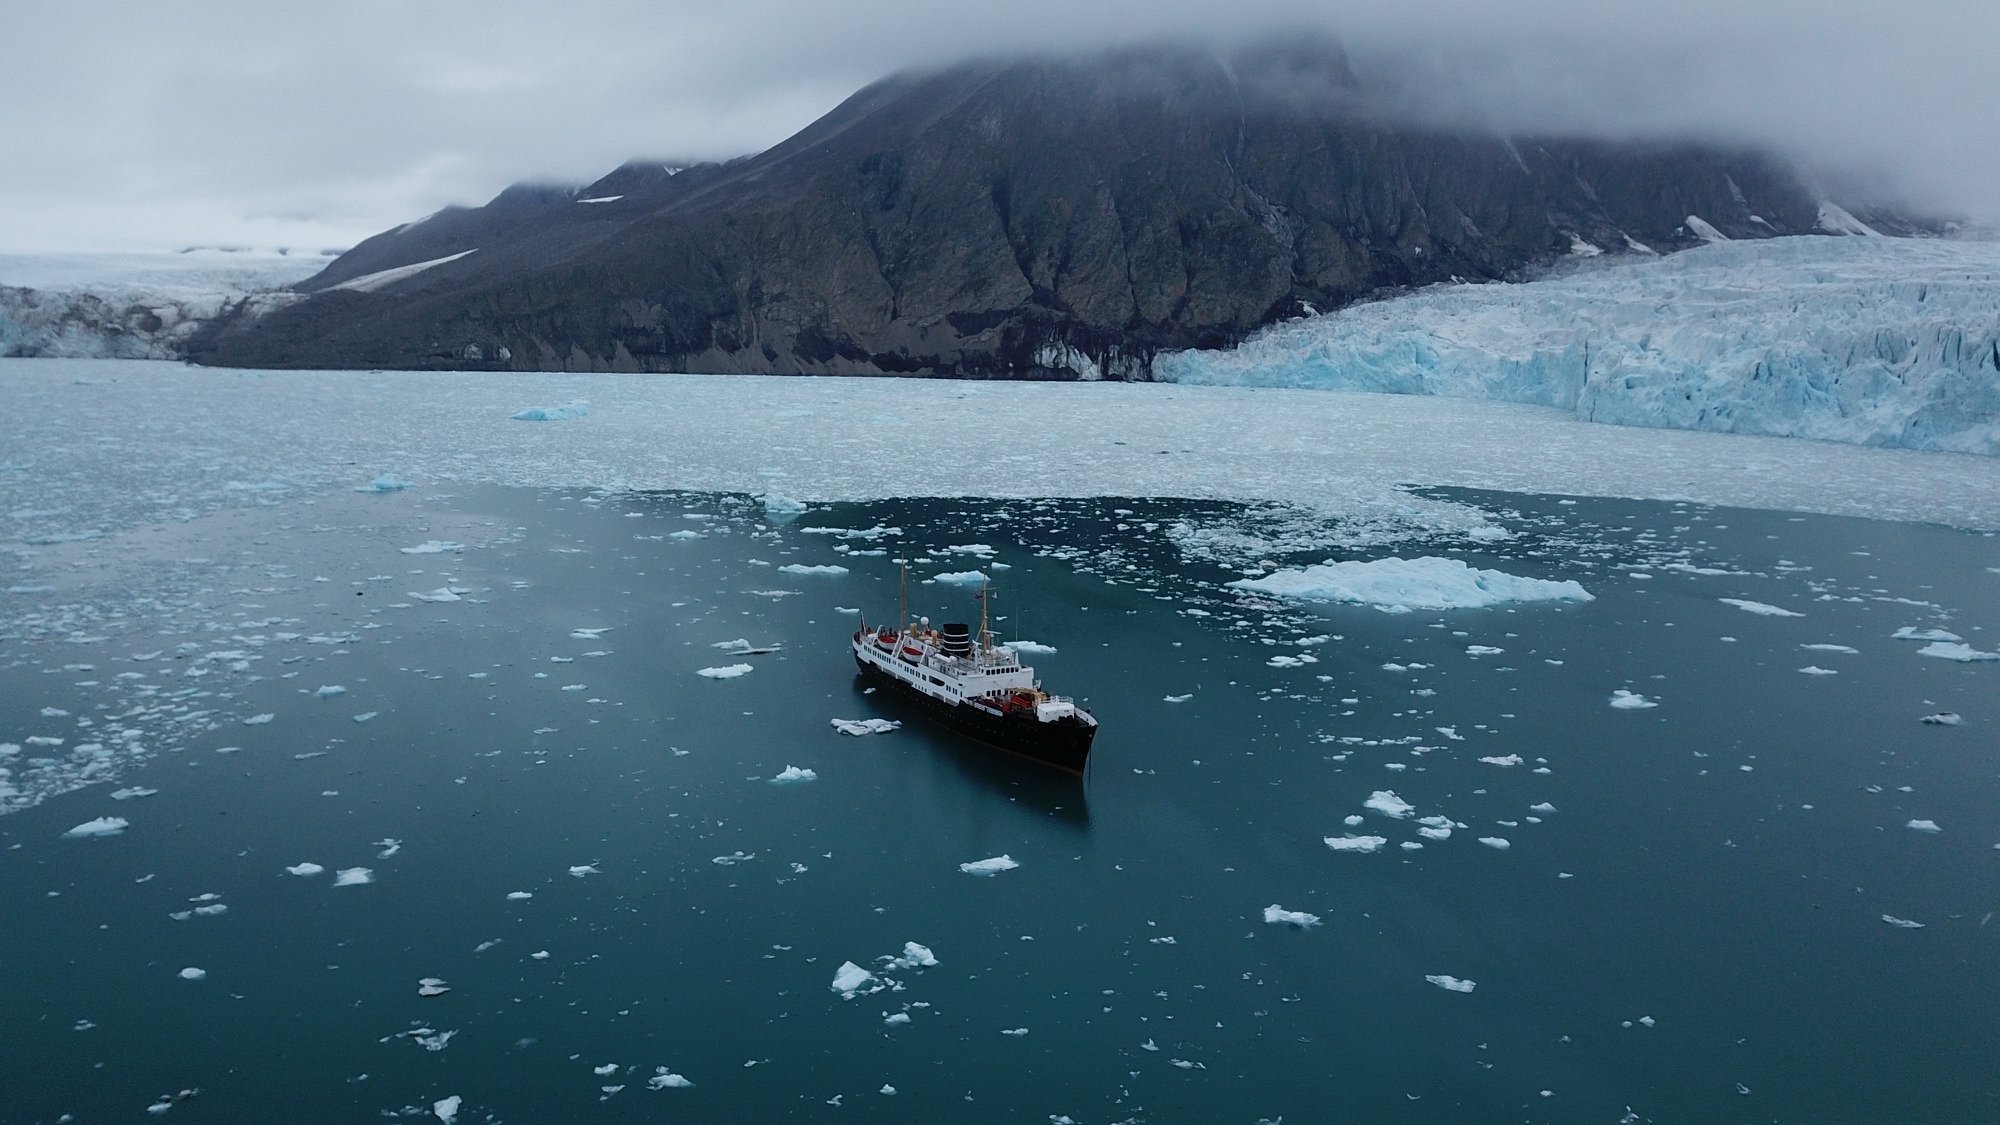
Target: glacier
[
  {"x": 1874, "y": 341},
  {"x": 132, "y": 305}
]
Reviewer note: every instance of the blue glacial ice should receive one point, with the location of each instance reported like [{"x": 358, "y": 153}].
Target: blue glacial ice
[
  {"x": 1876, "y": 341},
  {"x": 576, "y": 408}
]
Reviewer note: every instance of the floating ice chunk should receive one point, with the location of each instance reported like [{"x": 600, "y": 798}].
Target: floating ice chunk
[
  {"x": 741, "y": 646},
  {"x": 575, "y": 408},
  {"x": 1352, "y": 821},
  {"x": 583, "y": 869},
  {"x": 1483, "y": 650},
  {"x": 353, "y": 876},
  {"x": 519, "y": 896},
  {"x": 1964, "y": 654},
  {"x": 1924, "y": 826},
  {"x": 1912, "y": 633},
  {"x": 1758, "y": 608},
  {"x": 1941, "y": 719},
  {"x": 664, "y": 1079},
  {"x": 1504, "y": 760},
  {"x": 989, "y": 867},
  {"x": 1630, "y": 701},
  {"x": 1033, "y": 648},
  {"x": 102, "y": 826},
  {"x": 605, "y": 1071},
  {"x": 850, "y": 979},
  {"x": 914, "y": 956},
  {"x": 726, "y": 672},
  {"x": 129, "y": 794},
  {"x": 733, "y": 858},
  {"x": 1363, "y": 844},
  {"x": 1544, "y": 808},
  {"x": 365, "y": 716},
  {"x": 1278, "y": 915},
  {"x": 328, "y": 691},
  {"x": 1017, "y": 1032},
  {"x": 858, "y": 727},
  {"x": 433, "y": 547},
  {"x": 387, "y": 482},
  {"x": 446, "y": 1109},
  {"x": 1179, "y": 698},
  {"x": 1386, "y": 802},
  {"x": 192, "y": 973},
  {"x": 1497, "y": 842},
  {"x": 389, "y": 847},
  {"x": 1831, "y": 648},
  {"x": 259, "y": 720},
  {"x": 1816, "y": 670},
  {"x": 306, "y": 869},
  {"x": 441, "y": 594},
  {"x": 776, "y": 504},
  {"x": 801, "y": 568},
  {"x": 1399, "y": 585},
  {"x": 897, "y": 1020},
  {"x": 432, "y": 986},
  {"x": 960, "y": 578},
  {"x": 1902, "y": 923},
  {"x": 539, "y": 954},
  {"x": 590, "y": 634},
  {"x": 794, "y": 773},
  {"x": 1451, "y": 983}
]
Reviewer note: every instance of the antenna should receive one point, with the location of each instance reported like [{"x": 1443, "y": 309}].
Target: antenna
[
  {"x": 903, "y": 602},
  {"x": 985, "y": 634}
]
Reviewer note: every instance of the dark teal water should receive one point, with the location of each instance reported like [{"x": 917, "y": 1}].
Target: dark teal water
[{"x": 1739, "y": 909}]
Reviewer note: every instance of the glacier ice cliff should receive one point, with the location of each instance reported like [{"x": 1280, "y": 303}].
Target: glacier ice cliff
[
  {"x": 1877, "y": 341},
  {"x": 131, "y": 306}
]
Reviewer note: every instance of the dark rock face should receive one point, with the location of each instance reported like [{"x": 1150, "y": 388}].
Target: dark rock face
[{"x": 1028, "y": 219}]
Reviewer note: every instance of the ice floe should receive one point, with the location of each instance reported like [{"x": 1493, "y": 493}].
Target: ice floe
[
  {"x": 306, "y": 869},
  {"x": 192, "y": 973},
  {"x": 726, "y": 672},
  {"x": 1278, "y": 915},
  {"x": 575, "y": 408},
  {"x": 850, "y": 979},
  {"x": 1033, "y": 648},
  {"x": 992, "y": 866},
  {"x": 1943, "y": 719},
  {"x": 1759, "y": 608},
  {"x": 1949, "y": 650},
  {"x": 353, "y": 876},
  {"x": 858, "y": 727},
  {"x": 1362, "y": 844},
  {"x": 1902, "y": 923},
  {"x": 665, "y": 1079},
  {"x": 446, "y": 1109},
  {"x": 102, "y": 826},
  {"x": 1631, "y": 701},
  {"x": 794, "y": 773},
  {"x": 432, "y": 986},
  {"x": 1912, "y": 633},
  {"x": 1451, "y": 983},
  {"x": 1924, "y": 826},
  {"x": 433, "y": 547},
  {"x": 387, "y": 482},
  {"x": 960, "y": 578},
  {"x": 1504, "y": 760},
  {"x": 801, "y": 568},
  {"x": 133, "y": 792},
  {"x": 914, "y": 956},
  {"x": 1386, "y": 802},
  {"x": 1400, "y": 585},
  {"x": 1496, "y": 842}
]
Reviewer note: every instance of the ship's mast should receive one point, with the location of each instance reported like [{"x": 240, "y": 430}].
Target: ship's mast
[
  {"x": 985, "y": 634},
  {"x": 903, "y": 603}
]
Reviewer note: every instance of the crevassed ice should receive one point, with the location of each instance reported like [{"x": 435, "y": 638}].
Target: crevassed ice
[{"x": 1878, "y": 341}]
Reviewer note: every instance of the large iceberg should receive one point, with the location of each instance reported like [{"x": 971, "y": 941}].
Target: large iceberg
[
  {"x": 1878, "y": 341},
  {"x": 1401, "y": 585}
]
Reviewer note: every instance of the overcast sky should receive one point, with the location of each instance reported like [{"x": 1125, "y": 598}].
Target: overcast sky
[{"x": 162, "y": 124}]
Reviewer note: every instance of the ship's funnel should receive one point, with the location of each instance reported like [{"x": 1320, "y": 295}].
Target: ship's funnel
[{"x": 955, "y": 640}]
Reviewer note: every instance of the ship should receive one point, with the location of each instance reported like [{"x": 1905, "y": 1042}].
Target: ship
[{"x": 974, "y": 687}]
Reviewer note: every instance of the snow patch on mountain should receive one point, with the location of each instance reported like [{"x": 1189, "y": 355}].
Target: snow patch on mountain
[{"x": 1875, "y": 341}]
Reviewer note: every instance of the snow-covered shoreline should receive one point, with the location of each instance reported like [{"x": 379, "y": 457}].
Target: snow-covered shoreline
[{"x": 1876, "y": 341}]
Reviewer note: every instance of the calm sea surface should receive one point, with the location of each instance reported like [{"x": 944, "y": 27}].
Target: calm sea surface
[{"x": 577, "y": 832}]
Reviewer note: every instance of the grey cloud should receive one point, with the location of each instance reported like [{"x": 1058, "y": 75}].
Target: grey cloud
[{"x": 159, "y": 124}]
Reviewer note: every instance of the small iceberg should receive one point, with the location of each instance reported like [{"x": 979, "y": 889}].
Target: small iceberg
[
  {"x": 102, "y": 826},
  {"x": 1451, "y": 983},
  {"x": 801, "y": 568},
  {"x": 1951, "y": 650},
  {"x": 1630, "y": 701},
  {"x": 353, "y": 876},
  {"x": 1758, "y": 608},
  {"x": 1360, "y": 844},
  {"x": 1279, "y": 916},
  {"x": 305, "y": 869},
  {"x": 726, "y": 672},
  {"x": 387, "y": 482},
  {"x": 793, "y": 773},
  {"x": 989, "y": 867},
  {"x": 850, "y": 979},
  {"x": 575, "y": 408},
  {"x": 960, "y": 578},
  {"x": 1386, "y": 802},
  {"x": 858, "y": 727}
]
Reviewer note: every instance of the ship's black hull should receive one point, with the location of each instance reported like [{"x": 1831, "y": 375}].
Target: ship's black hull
[{"x": 1064, "y": 744}]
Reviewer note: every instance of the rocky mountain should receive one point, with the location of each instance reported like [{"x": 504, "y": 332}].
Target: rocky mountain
[{"x": 1039, "y": 218}]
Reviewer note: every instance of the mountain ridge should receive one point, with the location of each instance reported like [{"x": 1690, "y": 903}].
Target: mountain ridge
[{"x": 1023, "y": 218}]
